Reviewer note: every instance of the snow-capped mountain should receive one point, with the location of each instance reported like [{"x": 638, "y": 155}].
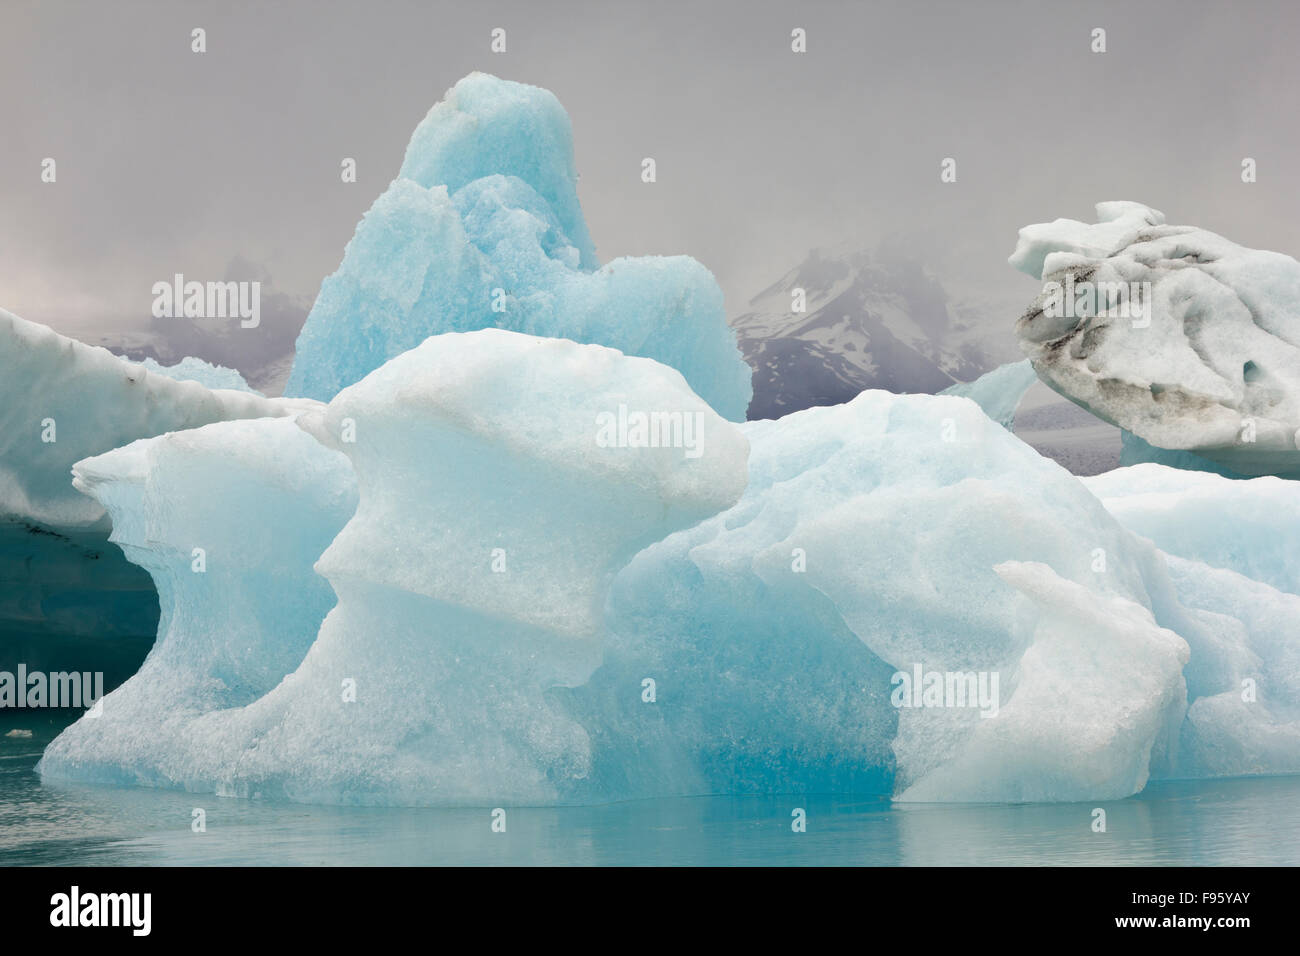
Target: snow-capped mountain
[{"x": 869, "y": 321}]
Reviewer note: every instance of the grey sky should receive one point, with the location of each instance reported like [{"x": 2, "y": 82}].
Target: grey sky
[{"x": 174, "y": 162}]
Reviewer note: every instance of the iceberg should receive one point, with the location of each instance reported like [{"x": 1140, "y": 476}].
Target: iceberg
[
  {"x": 1099, "y": 699},
  {"x": 498, "y": 492},
  {"x": 537, "y": 601},
  {"x": 1137, "y": 451},
  {"x": 876, "y": 537},
  {"x": 482, "y": 229},
  {"x": 1250, "y": 527},
  {"x": 1244, "y": 678},
  {"x": 1233, "y": 567},
  {"x": 999, "y": 391},
  {"x": 1177, "y": 335},
  {"x": 228, "y": 520},
  {"x": 527, "y": 555},
  {"x": 70, "y": 600},
  {"x": 190, "y": 369},
  {"x": 62, "y": 401},
  {"x": 525, "y": 570}
]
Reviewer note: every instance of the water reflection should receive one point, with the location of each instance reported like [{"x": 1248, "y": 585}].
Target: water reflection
[{"x": 1229, "y": 822}]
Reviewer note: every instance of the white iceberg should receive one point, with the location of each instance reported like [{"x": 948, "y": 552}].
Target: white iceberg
[
  {"x": 544, "y": 597},
  {"x": 61, "y": 401},
  {"x": 1229, "y": 546},
  {"x": 1187, "y": 340}
]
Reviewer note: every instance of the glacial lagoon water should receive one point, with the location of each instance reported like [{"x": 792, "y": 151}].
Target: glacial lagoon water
[{"x": 1244, "y": 821}]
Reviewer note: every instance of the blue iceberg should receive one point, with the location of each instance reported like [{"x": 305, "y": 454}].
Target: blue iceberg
[
  {"x": 500, "y": 481},
  {"x": 482, "y": 229},
  {"x": 527, "y": 555}
]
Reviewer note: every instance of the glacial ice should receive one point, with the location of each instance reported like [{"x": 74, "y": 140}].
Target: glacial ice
[
  {"x": 228, "y": 519},
  {"x": 509, "y": 582},
  {"x": 1209, "y": 363},
  {"x": 1250, "y": 527},
  {"x": 190, "y": 369},
  {"x": 1099, "y": 696},
  {"x": 1244, "y": 677},
  {"x": 61, "y": 401},
  {"x": 482, "y": 229},
  {"x": 502, "y": 480},
  {"x": 999, "y": 391},
  {"x": 1229, "y": 549},
  {"x": 1138, "y": 451},
  {"x": 524, "y": 556},
  {"x": 875, "y": 537}
]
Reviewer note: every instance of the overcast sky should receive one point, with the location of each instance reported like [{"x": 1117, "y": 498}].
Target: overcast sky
[{"x": 169, "y": 161}]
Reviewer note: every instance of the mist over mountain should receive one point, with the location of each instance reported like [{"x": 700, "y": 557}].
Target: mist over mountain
[
  {"x": 262, "y": 354},
  {"x": 870, "y": 319}
]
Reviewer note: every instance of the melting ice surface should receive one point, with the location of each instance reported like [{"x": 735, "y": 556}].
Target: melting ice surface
[{"x": 527, "y": 557}]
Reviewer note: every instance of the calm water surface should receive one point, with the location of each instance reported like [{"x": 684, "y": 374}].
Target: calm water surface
[{"x": 1224, "y": 822}]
